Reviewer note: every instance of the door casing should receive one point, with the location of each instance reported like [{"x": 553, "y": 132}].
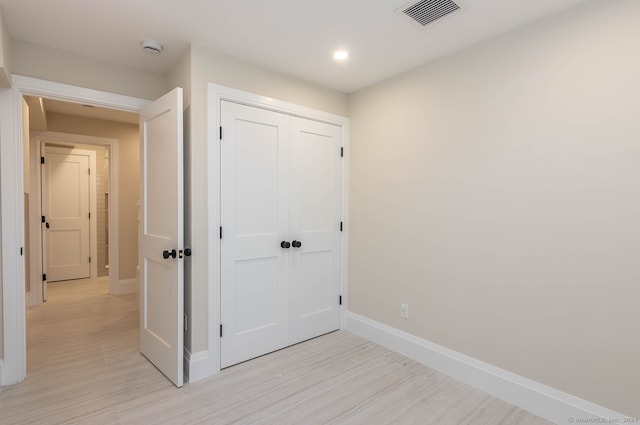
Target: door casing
[{"x": 207, "y": 363}]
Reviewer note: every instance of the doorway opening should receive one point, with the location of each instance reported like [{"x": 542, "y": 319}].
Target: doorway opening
[{"x": 71, "y": 152}]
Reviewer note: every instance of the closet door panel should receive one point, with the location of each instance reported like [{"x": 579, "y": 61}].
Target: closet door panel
[
  {"x": 315, "y": 223},
  {"x": 255, "y": 219}
]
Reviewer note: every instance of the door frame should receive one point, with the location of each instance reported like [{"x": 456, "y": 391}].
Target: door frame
[
  {"x": 206, "y": 363},
  {"x": 35, "y": 243},
  {"x": 12, "y": 204}
]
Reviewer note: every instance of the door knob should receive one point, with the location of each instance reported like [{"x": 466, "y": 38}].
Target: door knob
[
  {"x": 285, "y": 244},
  {"x": 296, "y": 244},
  {"x": 167, "y": 254}
]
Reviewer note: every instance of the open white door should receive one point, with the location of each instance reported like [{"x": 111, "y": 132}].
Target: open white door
[{"x": 161, "y": 235}]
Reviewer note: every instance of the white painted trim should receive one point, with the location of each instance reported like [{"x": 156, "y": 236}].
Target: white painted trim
[
  {"x": 1, "y": 370},
  {"x": 125, "y": 286},
  {"x": 196, "y": 366},
  {"x": 549, "y": 403},
  {"x": 12, "y": 205},
  {"x": 216, "y": 94},
  {"x": 35, "y": 214},
  {"x": 114, "y": 181}
]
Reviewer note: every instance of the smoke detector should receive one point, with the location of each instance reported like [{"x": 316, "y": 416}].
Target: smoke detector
[{"x": 152, "y": 46}]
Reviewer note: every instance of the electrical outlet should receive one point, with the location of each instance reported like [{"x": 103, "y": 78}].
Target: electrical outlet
[{"x": 404, "y": 311}]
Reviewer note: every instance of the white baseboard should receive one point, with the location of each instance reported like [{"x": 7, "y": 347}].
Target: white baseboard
[
  {"x": 126, "y": 286},
  {"x": 549, "y": 403},
  {"x": 196, "y": 366}
]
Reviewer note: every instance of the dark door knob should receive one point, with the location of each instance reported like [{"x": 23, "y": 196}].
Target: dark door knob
[
  {"x": 167, "y": 254},
  {"x": 285, "y": 244},
  {"x": 296, "y": 244}
]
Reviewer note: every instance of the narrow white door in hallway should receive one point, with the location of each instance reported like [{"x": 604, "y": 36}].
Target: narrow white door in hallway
[{"x": 66, "y": 207}]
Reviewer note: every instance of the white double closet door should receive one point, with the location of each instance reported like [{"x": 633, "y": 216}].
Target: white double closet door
[{"x": 280, "y": 184}]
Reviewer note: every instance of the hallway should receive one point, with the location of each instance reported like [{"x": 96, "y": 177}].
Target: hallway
[{"x": 82, "y": 358}]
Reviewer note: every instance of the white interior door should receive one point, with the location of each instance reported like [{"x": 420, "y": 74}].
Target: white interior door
[
  {"x": 280, "y": 215},
  {"x": 66, "y": 207},
  {"x": 161, "y": 235},
  {"x": 315, "y": 226},
  {"x": 255, "y": 220}
]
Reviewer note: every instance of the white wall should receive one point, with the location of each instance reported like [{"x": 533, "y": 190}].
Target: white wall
[
  {"x": 496, "y": 192},
  {"x": 33, "y": 60}
]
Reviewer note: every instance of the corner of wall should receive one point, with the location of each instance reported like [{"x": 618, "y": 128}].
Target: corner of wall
[{"x": 180, "y": 76}]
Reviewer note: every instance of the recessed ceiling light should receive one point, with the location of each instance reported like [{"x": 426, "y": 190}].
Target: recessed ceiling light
[
  {"x": 341, "y": 55},
  {"x": 152, "y": 46}
]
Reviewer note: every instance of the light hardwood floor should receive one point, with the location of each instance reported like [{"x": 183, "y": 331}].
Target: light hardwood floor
[{"x": 84, "y": 368}]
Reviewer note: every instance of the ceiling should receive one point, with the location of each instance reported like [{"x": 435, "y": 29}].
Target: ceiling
[{"x": 292, "y": 36}]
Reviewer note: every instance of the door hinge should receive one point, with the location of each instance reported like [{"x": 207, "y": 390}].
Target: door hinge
[
  {"x": 44, "y": 277},
  {"x": 341, "y": 152},
  {"x": 340, "y": 300},
  {"x": 186, "y": 327},
  {"x": 89, "y": 259},
  {"x": 42, "y": 160},
  {"x": 89, "y": 171},
  {"x": 220, "y": 330},
  {"x": 89, "y": 216},
  {"x": 44, "y": 220},
  {"x": 220, "y": 132},
  {"x": 21, "y": 251},
  {"x": 220, "y": 232},
  {"x": 341, "y": 226}
]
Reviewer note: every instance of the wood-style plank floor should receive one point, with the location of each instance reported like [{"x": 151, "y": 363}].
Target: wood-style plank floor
[{"x": 84, "y": 368}]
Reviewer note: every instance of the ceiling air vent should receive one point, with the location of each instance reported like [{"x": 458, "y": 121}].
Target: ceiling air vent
[{"x": 427, "y": 11}]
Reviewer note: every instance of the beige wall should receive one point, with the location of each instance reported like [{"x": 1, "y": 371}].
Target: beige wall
[
  {"x": 33, "y": 60},
  {"x": 5, "y": 54},
  {"x": 496, "y": 192},
  {"x": 128, "y": 166},
  {"x": 209, "y": 66}
]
